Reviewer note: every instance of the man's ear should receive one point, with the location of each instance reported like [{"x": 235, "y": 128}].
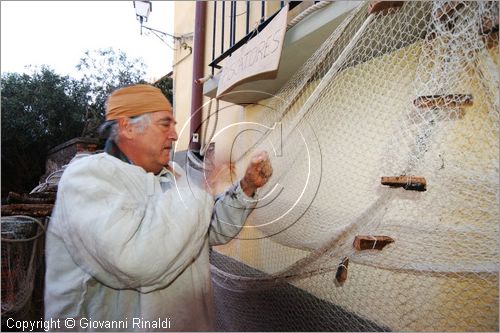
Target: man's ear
[{"x": 125, "y": 128}]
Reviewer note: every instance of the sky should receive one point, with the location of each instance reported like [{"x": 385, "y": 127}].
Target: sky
[{"x": 57, "y": 33}]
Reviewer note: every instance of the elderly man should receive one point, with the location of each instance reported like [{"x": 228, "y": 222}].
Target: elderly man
[{"x": 128, "y": 243}]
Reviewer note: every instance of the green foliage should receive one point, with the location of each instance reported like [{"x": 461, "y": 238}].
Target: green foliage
[
  {"x": 166, "y": 85},
  {"x": 39, "y": 110},
  {"x": 104, "y": 71}
]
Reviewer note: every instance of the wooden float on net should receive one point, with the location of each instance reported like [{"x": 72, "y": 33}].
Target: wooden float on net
[
  {"x": 341, "y": 274},
  {"x": 444, "y": 101},
  {"x": 368, "y": 242},
  {"x": 448, "y": 10},
  {"x": 489, "y": 32},
  {"x": 411, "y": 183},
  {"x": 383, "y": 6},
  {"x": 451, "y": 107}
]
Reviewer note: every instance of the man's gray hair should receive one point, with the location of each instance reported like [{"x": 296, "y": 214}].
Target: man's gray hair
[{"x": 110, "y": 127}]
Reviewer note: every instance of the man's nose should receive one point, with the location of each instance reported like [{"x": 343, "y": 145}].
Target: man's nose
[{"x": 173, "y": 135}]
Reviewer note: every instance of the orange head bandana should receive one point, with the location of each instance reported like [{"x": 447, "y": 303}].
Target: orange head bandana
[{"x": 136, "y": 100}]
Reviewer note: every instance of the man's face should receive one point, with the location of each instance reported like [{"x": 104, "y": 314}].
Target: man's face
[{"x": 156, "y": 141}]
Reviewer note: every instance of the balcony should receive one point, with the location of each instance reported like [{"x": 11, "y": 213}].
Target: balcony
[{"x": 300, "y": 42}]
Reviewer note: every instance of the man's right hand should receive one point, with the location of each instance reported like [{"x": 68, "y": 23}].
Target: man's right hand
[{"x": 257, "y": 174}]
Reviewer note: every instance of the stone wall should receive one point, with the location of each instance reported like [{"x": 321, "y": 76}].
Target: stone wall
[{"x": 63, "y": 153}]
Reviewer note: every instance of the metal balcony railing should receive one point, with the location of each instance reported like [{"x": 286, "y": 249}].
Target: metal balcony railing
[{"x": 222, "y": 7}]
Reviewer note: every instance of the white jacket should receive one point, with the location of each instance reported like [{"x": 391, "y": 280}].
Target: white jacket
[{"x": 129, "y": 250}]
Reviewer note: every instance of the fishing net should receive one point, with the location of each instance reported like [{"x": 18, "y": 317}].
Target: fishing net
[
  {"x": 408, "y": 92},
  {"x": 22, "y": 257}
]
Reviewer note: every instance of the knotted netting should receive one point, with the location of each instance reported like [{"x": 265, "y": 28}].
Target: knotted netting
[
  {"x": 410, "y": 91},
  {"x": 22, "y": 243}
]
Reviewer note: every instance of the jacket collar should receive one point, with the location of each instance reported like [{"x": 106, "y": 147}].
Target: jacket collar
[{"x": 112, "y": 149}]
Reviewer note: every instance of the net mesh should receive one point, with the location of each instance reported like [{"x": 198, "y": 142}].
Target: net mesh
[
  {"x": 22, "y": 246},
  {"x": 410, "y": 91}
]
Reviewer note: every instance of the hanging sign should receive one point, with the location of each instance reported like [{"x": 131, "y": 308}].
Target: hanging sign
[{"x": 257, "y": 59}]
